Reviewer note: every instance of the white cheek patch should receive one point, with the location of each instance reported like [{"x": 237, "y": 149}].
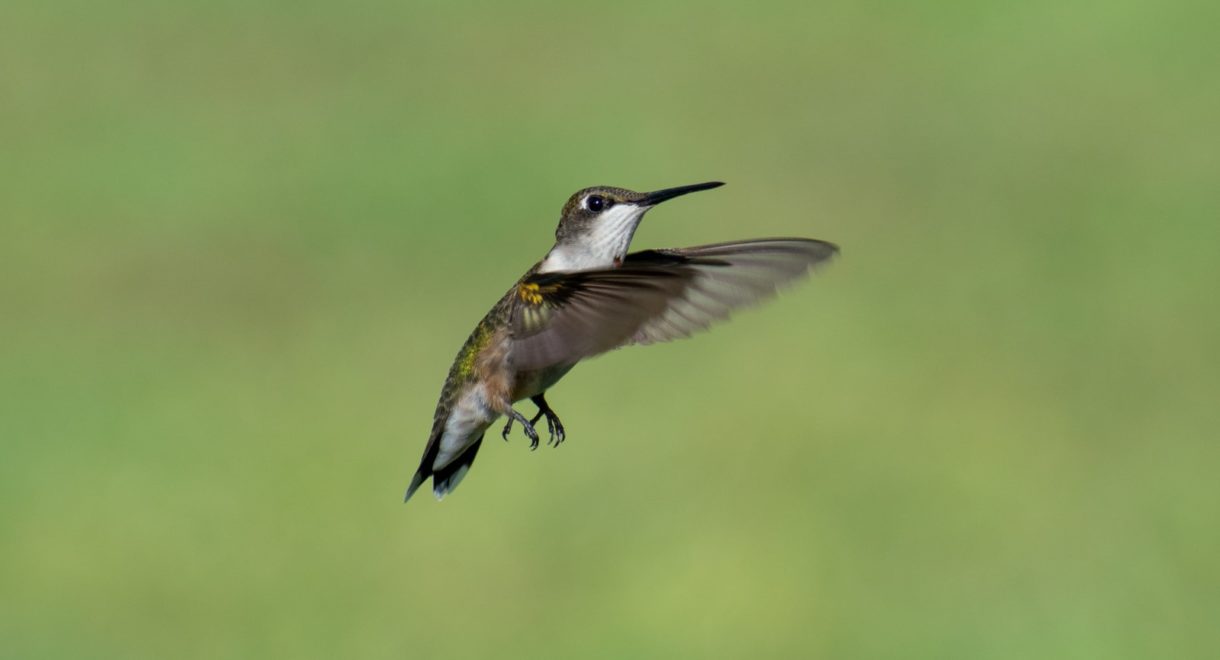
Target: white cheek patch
[
  {"x": 612, "y": 231},
  {"x": 606, "y": 243}
]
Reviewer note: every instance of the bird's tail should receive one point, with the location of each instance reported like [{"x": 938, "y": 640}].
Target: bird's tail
[
  {"x": 416, "y": 482},
  {"x": 448, "y": 477}
]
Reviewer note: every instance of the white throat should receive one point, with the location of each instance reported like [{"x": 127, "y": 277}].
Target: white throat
[{"x": 605, "y": 244}]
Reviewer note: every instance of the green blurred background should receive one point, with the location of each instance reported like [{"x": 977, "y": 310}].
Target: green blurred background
[{"x": 243, "y": 240}]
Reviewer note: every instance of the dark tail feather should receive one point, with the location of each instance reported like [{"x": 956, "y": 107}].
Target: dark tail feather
[
  {"x": 416, "y": 481},
  {"x": 448, "y": 477},
  {"x": 425, "y": 463}
]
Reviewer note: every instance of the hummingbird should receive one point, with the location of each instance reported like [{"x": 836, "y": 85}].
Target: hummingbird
[{"x": 588, "y": 296}]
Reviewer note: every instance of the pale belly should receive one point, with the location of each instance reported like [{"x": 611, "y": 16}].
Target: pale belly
[
  {"x": 467, "y": 421},
  {"x": 473, "y": 413}
]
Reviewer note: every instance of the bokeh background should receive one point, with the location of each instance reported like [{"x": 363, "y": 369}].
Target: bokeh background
[{"x": 243, "y": 240}]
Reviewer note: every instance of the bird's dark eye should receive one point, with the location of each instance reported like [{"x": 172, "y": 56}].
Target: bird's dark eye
[{"x": 596, "y": 203}]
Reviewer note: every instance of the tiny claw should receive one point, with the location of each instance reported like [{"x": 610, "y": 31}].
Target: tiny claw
[
  {"x": 526, "y": 425},
  {"x": 553, "y": 426}
]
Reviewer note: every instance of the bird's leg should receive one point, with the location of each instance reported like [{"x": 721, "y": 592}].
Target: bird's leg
[
  {"x": 552, "y": 420},
  {"x": 514, "y": 416},
  {"x": 549, "y": 426}
]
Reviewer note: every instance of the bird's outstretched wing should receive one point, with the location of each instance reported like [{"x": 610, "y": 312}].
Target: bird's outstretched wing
[{"x": 655, "y": 296}]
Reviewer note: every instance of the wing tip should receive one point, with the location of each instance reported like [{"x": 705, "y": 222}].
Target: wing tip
[{"x": 829, "y": 251}]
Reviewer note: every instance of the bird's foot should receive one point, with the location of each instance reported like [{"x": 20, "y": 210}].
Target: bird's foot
[
  {"x": 514, "y": 416},
  {"x": 553, "y": 426}
]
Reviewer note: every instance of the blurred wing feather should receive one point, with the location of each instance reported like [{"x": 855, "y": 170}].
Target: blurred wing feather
[
  {"x": 725, "y": 277},
  {"x": 655, "y": 296}
]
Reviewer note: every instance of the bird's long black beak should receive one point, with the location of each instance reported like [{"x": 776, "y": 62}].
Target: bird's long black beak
[{"x": 658, "y": 196}]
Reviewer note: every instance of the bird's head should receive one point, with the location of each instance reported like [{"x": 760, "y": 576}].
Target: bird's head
[{"x": 597, "y": 224}]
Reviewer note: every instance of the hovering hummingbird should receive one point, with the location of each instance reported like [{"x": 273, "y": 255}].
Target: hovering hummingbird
[{"x": 588, "y": 296}]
